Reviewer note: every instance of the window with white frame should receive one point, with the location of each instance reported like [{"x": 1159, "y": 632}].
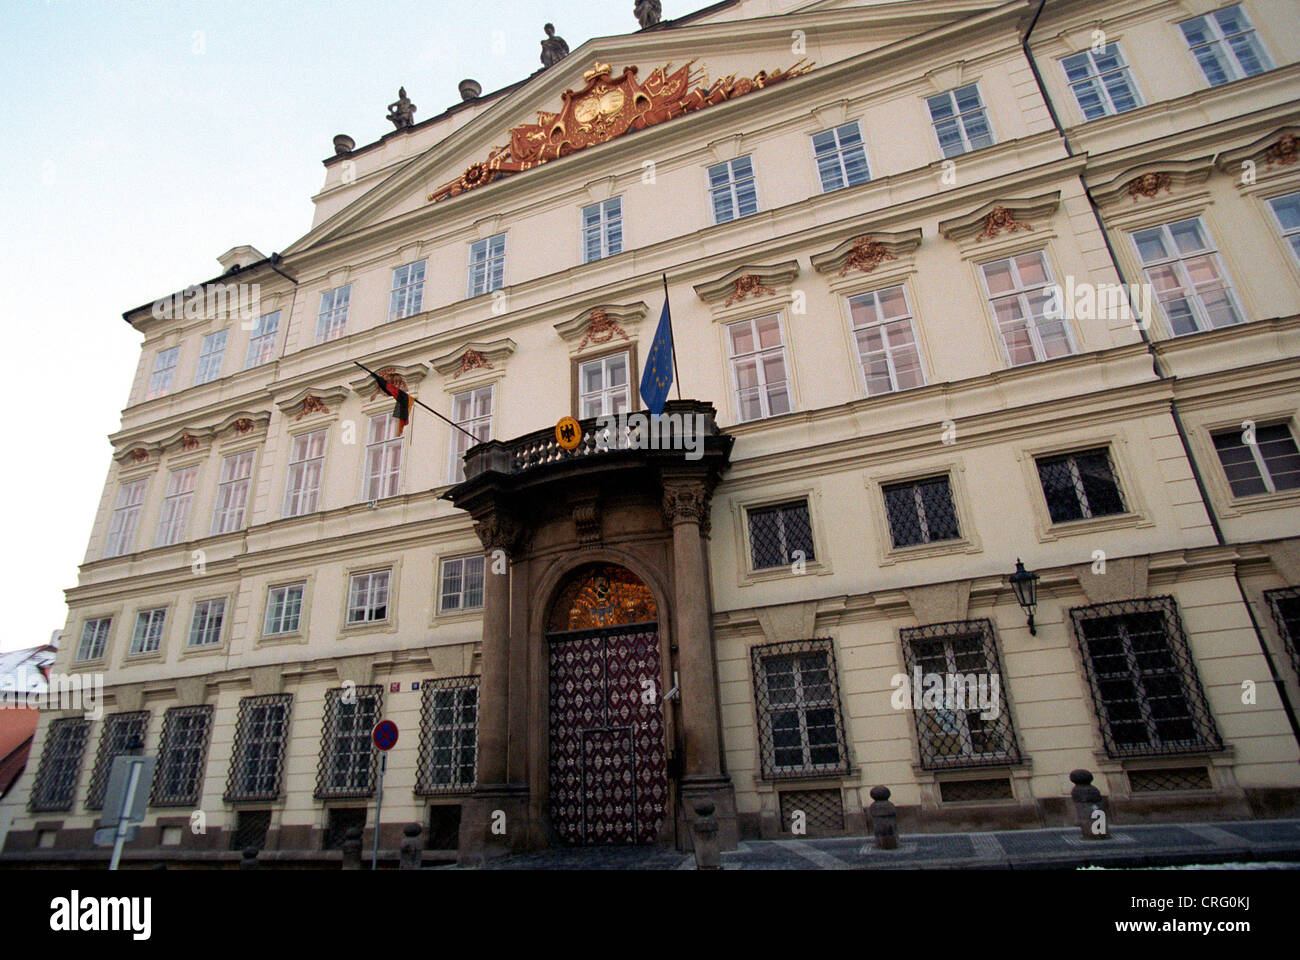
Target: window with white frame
[
  {"x": 1102, "y": 82},
  {"x": 960, "y": 121},
  {"x": 472, "y": 411},
  {"x": 408, "y": 291},
  {"x": 164, "y": 372},
  {"x": 94, "y": 638},
  {"x": 205, "y": 627},
  {"x": 383, "y": 463},
  {"x": 448, "y": 735},
  {"x": 603, "y": 385},
  {"x": 332, "y": 321},
  {"x": 1183, "y": 266},
  {"x": 886, "y": 339},
  {"x": 1080, "y": 485},
  {"x": 1286, "y": 210},
  {"x": 232, "y": 492},
  {"x": 306, "y": 464},
  {"x": 126, "y": 517},
  {"x": 147, "y": 637},
  {"x": 602, "y": 229},
  {"x": 758, "y": 374},
  {"x": 732, "y": 190},
  {"x": 283, "y": 609},
  {"x": 462, "y": 583},
  {"x": 841, "y": 157},
  {"x": 1261, "y": 459},
  {"x": 368, "y": 597},
  {"x": 796, "y": 699},
  {"x": 210, "y": 355},
  {"x": 487, "y": 265},
  {"x": 174, "y": 519},
  {"x": 1019, "y": 289},
  {"x": 261, "y": 343},
  {"x": 1225, "y": 45}
]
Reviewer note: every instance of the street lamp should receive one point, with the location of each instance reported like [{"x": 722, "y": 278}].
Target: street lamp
[{"x": 1025, "y": 585}]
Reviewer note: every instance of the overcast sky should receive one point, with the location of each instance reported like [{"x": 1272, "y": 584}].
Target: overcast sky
[{"x": 145, "y": 139}]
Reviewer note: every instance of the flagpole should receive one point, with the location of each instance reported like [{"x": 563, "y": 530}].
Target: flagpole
[
  {"x": 425, "y": 405},
  {"x": 672, "y": 340}
]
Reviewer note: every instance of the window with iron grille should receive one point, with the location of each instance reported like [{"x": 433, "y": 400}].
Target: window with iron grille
[
  {"x": 56, "y": 777},
  {"x": 1265, "y": 461},
  {"x": 959, "y": 120},
  {"x": 257, "y": 759},
  {"x": 332, "y": 321},
  {"x": 797, "y": 701},
  {"x": 841, "y": 157},
  {"x": 342, "y": 819},
  {"x": 823, "y": 811},
  {"x": 462, "y": 583},
  {"x": 347, "y": 755},
  {"x": 1285, "y": 604},
  {"x": 1225, "y": 45},
  {"x": 1144, "y": 682},
  {"x": 182, "y": 756},
  {"x": 921, "y": 511},
  {"x": 448, "y": 736},
  {"x": 251, "y": 828},
  {"x": 962, "y": 719},
  {"x": 1080, "y": 485},
  {"x": 776, "y": 532},
  {"x": 408, "y": 291},
  {"x": 120, "y": 730},
  {"x": 94, "y": 638}
]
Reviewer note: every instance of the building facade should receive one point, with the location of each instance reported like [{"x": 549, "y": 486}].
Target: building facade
[{"x": 953, "y": 285}]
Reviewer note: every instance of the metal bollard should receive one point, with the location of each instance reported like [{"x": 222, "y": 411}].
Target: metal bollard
[
  {"x": 410, "y": 858},
  {"x": 1087, "y": 807},
  {"x": 352, "y": 849},
  {"x": 249, "y": 862},
  {"x": 884, "y": 819},
  {"x": 705, "y": 829}
]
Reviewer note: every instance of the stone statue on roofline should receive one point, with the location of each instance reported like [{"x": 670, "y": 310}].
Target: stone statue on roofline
[
  {"x": 647, "y": 12},
  {"x": 554, "y": 49},
  {"x": 401, "y": 111}
]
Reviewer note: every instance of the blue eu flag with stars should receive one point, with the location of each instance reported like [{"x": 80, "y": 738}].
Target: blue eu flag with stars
[{"x": 658, "y": 375}]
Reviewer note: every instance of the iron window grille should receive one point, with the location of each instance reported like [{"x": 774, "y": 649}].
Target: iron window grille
[
  {"x": 257, "y": 759},
  {"x": 1144, "y": 682},
  {"x": 118, "y": 732},
  {"x": 1285, "y": 604},
  {"x": 56, "y": 778},
  {"x": 448, "y": 736},
  {"x": 921, "y": 511},
  {"x": 959, "y": 733},
  {"x": 341, "y": 819},
  {"x": 251, "y": 828},
  {"x": 1081, "y": 485},
  {"x": 797, "y": 702},
  {"x": 777, "y": 532},
  {"x": 182, "y": 755},
  {"x": 823, "y": 811},
  {"x": 348, "y": 758}
]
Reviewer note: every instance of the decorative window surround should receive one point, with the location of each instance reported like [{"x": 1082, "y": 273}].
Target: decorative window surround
[
  {"x": 1139, "y": 185},
  {"x": 306, "y": 579},
  {"x": 315, "y": 403},
  {"x": 750, "y": 291},
  {"x": 405, "y": 376},
  {"x": 602, "y": 327},
  {"x": 1228, "y": 504},
  {"x": 244, "y": 425},
  {"x": 746, "y": 575},
  {"x": 863, "y": 260},
  {"x": 1137, "y": 515},
  {"x": 998, "y": 223},
  {"x": 886, "y": 553},
  {"x": 474, "y": 363},
  {"x": 1276, "y": 156},
  {"x": 387, "y": 625}
]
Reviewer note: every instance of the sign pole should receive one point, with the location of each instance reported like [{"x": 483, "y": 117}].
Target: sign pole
[
  {"x": 128, "y": 799},
  {"x": 379, "y": 806}
]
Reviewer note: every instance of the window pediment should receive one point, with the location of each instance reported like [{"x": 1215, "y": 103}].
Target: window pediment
[
  {"x": 1150, "y": 180},
  {"x": 190, "y": 439},
  {"x": 403, "y": 376},
  {"x": 998, "y": 217},
  {"x": 313, "y": 401},
  {"x": 865, "y": 252},
  {"x": 602, "y": 326},
  {"x": 749, "y": 286},
  {"x": 473, "y": 361}
]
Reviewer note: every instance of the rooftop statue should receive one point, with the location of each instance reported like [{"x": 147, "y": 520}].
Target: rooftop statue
[
  {"x": 401, "y": 111},
  {"x": 554, "y": 49},
  {"x": 648, "y": 12}
]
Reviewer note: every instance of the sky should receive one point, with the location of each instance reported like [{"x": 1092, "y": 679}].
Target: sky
[{"x": 146, "y": 139}]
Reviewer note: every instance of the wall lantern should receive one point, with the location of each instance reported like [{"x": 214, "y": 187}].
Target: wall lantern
[{"x": 1025, "y": 585}]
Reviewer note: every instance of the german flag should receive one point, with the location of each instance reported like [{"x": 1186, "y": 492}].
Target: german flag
[{"x": 402, "y": 409}]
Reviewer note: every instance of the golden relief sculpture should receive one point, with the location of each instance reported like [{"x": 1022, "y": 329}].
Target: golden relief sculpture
[
  {"x": 607, "y": 108},
  {"x": 602, "y": 595}
]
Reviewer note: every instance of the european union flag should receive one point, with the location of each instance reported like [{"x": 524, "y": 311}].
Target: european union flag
[{"x": 658, "y": 375}]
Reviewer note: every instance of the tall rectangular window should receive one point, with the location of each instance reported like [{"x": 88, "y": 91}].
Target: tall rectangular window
[
  {"x": 173, "y": 522},
  {"x": 383, "y": 464},
  {"x": 1019, "y": 289},
  {"x": 306, "y": 465},
  {"x": 147, "y": 637},
  {"x": 94, "y": 638},
  {"x": 332, "y": 321},
  {"x": 1183, "y": 266},
  {"x": 921, "y": 511},
  {"x": 757, "y": 356},
  {"x": 732, "y": 190},
  {"x": 1285, "y": 604},
  {"x": 1080, "y": 485},
  {"x": 778, "y": 532},
  {"x": 283, "y": 609},
  {"x": 1287, "y": 211},
  {"x": 408, "y": 291},
  {"x": 205, "y": 627},
  {"x": 257, "y": 759},
  {"x": 347, "y": 754},
  {"x": 182, "y": 754},
  {"x": 886, "y": 339},
  {"x": 487, "y": 265},
  {"x": 603, "y": 386},
  {"x": 1264, "y": 460},
  {"x": 841, "y": 157},
  {"x": 448, "y": 736},
  {"x": 602, "y": 229},
  {"x": 261, "y": 343},
  {"x": 1225, "y": 45},
  {"x": 120, "y": 733},
  {"x": 232, "y": 492},
  {"x": 56, "y": 777},
  {"x": 796, "y": 697},
  {"x": 1102, "y": 82},
  {"x": 210, "y": 356},
  {"x": 368, "y": 597},
  {"x": 164, "y": 372},
  {"x": 472, "y": 410},
  {"x": 462, "y": 583},
  {"x": 959, "y": 120},
  {"x": 126, "y": 517}
]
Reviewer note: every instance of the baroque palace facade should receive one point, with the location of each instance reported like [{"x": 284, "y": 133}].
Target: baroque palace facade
[{"x": 899, "y": 241}]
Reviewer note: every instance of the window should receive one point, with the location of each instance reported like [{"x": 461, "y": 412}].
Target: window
[
  {"x": 232, "y": 492},
  {"x": 462, "y": 583},
  {"x": 1225, "y": 45},
  {"x": 383, "y": 475},
  {"x": 56, "y": 778},
  {"x": 408, "y": 291},
  {"x": 257, "y": 759},
  {"x": 178, "y": 777},
  {"x": 205, "y": 627},
  {"x": 487, "y": 265},
  {"x": 120, "y": 731},
  {"x": 1182, "y": 265},
  {"x": 306, "y": 464},
  {"x": 1102, "y": 82},
  {"x": 368, "y": 597},
  {"x": 602, "y": 229},
  {"x": 448, "y": 736},
  {"x": 1081, "y": 485},
  {"x": 758, "y": 368},
  {"x": 797, "y": 701},
  {"x": 921, "y": 511},
  {"x": 882, "y": 327},
  {"x": 960, "y": 121},
  {"x": 1266, "y": 463},
  {"x": 1018, "y": 289},
  {"x": 210, "y": 354},
  {"x": 732, "y": 190},
  {"x": 261, "y": 344},
  {"x": 1285, "y": 604},
  {"x": 147, "y": 637},
  {"x": 841, "y": 157},
  {"x": 472, "y": 411},
  {"x": 126, "y": 517},
  {"x": 1287, "y": 211},
  {"x": 347, "y": 755},
  {"x": 965, "y": 721},
  {"x": 283, "y": 609},
  {"x": 332, "y": 321},
  {"x": 94, "y": 638},
  {"x": 164, "y": 370},
  {"x": 603, "y": 386},
  {"x": 777, "y": 532},
  {"x": 174, "y": 519},
  {"x": 1144, "y": 683}
]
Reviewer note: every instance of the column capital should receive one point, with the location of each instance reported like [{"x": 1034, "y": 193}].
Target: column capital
[
  {"x": 499, "y": 531},
  {"x": 686, "y": 501}
]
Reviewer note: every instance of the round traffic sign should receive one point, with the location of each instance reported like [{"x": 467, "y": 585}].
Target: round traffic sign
[{"x": 384, "y": 734}]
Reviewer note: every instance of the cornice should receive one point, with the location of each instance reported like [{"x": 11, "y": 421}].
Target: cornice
[
  {"x": 1149, "y": 179},
  {"x": 477, "y": 354},
  {"x": 999, "y": 216},
  {"x": 313, "y": 400},
  {"x": 134, "y": 449}
]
